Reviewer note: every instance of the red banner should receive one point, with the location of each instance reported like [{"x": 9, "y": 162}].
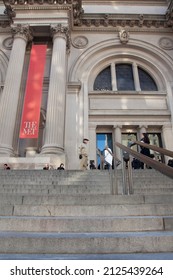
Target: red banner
[{"x": 33, "y": 93}]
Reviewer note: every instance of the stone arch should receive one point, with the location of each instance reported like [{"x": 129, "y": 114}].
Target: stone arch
[
  {"x": 148, "y": 56},
  {"x": 151, "y": 58}
]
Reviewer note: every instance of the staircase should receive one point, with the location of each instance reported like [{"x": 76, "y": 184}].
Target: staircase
[{"x": 75, "y": 212}]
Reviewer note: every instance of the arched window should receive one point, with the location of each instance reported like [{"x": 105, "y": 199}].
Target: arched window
[
  {"x": 103, "y": 80},
  {"x": 146, "y": 81},
  {"x": 124, "y": 75},
  {"x": 125, "y": 78}
]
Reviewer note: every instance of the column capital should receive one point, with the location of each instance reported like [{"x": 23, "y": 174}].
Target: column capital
[
  {"x": 22, "y": 31},
  {"x": 143, "y": 126},
  {"x": 60, "y": 30},
  {"x": 117, "y": 126}
]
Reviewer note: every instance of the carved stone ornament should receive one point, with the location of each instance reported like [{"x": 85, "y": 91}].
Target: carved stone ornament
[
  {"x": 22, "y": 31},
  {"x": 166, "y": 43},
  {"x": 8, "y": 43},
  {"x": 124, "y": 36},
  {"x": 63, "y": 31},
  {"x": 80, "y": 42}
]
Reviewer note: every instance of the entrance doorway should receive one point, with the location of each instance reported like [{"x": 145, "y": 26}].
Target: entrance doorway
[
  {"x": 156, "y": 140},
  {"x": 103, "y": 139}
]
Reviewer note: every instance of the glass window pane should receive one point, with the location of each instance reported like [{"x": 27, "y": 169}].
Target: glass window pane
[
  {"x": 124, "y": 74},
  {"x": 103, "y": 80},
  {"x": 146, "y": 81}
]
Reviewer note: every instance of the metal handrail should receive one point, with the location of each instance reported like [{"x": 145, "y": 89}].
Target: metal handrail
[
  {"x": 155, "y": 148},
  {"x": 159, "y": 166}
]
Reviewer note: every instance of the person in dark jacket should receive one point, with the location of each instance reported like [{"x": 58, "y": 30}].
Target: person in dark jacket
[
  {"x": 61, "y": 167},
  {"x": 145, "y": 151}
]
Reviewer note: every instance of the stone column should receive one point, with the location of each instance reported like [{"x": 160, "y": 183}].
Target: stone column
[
  {"x": 142, "y": 129},
  {"x": 55, "y": 116},
  {"x": 117, "y": 138},
  {"x": 72, "y": 126},
  {"x": 10, "y": 95}
]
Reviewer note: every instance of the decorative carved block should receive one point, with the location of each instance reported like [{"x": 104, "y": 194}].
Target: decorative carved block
[{"x": 80, "y": 42}]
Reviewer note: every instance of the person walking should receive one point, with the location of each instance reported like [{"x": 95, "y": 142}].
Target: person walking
[
  {"x": 145, "y": 151},
  {"x": 83, "y": 154},
  {"x": 108, "y": 157}
]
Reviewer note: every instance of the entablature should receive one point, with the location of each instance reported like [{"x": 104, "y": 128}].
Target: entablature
[{"x": 79, "y": 20}]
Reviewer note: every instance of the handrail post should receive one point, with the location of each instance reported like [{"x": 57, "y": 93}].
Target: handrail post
[
  {"x": 130, "y": 176},
  {"x": 114, "y": 179},
  {"x": 127, "y": 175}
]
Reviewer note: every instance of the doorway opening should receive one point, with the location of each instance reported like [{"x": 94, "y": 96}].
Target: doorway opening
[{"x": 103, "y": 140}]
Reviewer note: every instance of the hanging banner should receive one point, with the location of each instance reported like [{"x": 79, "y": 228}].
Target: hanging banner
[{"x": 33, "y": 93}]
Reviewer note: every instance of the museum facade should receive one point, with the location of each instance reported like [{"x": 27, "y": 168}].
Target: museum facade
[{"x": 108, "y": 76}]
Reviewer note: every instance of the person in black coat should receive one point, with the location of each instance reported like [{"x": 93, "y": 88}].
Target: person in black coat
[
  {"x": 61, "y": 167},
  {"x": 145, "y": 151}
]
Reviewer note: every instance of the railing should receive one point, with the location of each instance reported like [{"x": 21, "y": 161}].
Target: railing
[{"x": 159, "y": 166}]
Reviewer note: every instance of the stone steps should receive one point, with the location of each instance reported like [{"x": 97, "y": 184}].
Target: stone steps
[
  {"x": 87, "y": 210},
  {"x": 83, "y": 199},
  {"x": 153, "y": 191},
  {"x": 86, "y": 243},
  {"x": 51, "y": 212},
  {"x": 25, "y": 189},
  {"x": 86, "y": 224}
]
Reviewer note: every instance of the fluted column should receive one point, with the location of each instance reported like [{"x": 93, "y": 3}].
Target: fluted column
[
  {"x": 55, "y": 117},
  {"x": 10, "y": 95}
]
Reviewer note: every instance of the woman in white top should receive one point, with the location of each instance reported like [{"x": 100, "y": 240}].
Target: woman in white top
[{"x": 108, "y": 157}]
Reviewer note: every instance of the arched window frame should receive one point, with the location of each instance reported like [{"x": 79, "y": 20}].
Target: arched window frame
[{"x": 149, "y": 69}]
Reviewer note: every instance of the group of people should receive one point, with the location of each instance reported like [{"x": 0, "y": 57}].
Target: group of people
[
  {"x": 6, "y": 166},
  {"x": 137, "y": 164},
  {"x": 48, "y": 167},
  {"x": 106, "y": 157}
]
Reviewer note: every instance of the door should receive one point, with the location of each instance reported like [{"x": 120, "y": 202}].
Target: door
[{"x": 103, "y": 139}]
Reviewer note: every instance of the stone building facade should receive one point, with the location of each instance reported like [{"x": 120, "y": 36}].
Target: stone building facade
[{"x": 108, "y": 76}]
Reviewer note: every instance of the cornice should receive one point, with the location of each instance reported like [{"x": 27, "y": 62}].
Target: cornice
[
  {"x": 125, "y": 21},
  {"x": 75, "y": 6},
  {"x": 93, "y": 22}
]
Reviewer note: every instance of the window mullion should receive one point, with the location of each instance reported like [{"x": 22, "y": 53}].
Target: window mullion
[
  {"x": 136, "y": 77},
  {"x": 113, "y": 76}
]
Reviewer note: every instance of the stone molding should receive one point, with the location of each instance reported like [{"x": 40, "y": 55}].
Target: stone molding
[
  {"x": 94, "y": 21},
  {"x": 74, "y": 5},
  {"x": 121, "y": 20}
]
